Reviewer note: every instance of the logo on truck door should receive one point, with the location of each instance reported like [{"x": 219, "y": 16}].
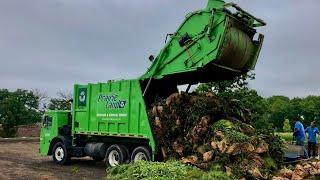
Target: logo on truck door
[
  {"x": 82, "y": 99},
  {"x": 112, "y": 101}
]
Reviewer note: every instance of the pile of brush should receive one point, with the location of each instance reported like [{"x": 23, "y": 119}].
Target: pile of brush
[
  {"x": 305, "y": 170},
  {"x": 205, "y": 131}
]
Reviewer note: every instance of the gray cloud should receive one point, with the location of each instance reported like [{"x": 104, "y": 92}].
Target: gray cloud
[{"x": 52, "y": 44}]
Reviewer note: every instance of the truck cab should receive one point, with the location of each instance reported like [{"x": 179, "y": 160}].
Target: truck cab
[{"x": 55, "y": 126}]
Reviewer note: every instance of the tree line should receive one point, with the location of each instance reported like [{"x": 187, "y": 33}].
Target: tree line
[
  {"x": 23, "y": 107},
  {"x": 271, "y": 112}
]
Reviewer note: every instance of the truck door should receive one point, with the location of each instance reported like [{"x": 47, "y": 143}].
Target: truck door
[
  {"x": 46, "y": 135},
  {"x": 46, "y": 129}
]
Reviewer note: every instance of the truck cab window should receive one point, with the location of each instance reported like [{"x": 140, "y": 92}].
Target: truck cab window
[{"x": 47, "y": 121}]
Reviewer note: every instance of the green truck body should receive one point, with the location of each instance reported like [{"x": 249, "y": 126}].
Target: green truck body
[
  {"x": 113, "y": 109},
  {"x": 110, "y": 120}
]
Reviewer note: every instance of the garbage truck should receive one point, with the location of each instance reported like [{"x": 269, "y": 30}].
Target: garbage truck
[{"x": 109, "y": 121}]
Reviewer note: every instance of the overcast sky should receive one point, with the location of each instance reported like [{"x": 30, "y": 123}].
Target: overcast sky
[{"x": 52, "y": 44}]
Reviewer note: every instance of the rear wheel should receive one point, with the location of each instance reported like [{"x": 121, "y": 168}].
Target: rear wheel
[
  {"x": 127, "y": 154},
  {"x": 140, "y": 153},
  {"x": 115, "y": 156},
  {"x": 60, "y": 154}
]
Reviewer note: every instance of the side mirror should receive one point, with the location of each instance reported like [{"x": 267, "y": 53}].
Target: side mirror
[{"x": 151, "y": 58}]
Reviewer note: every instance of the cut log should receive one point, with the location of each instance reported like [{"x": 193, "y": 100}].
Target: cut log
[
  {"x": 298, "y": 173},
  {"x": 286, "y": 173},
  {"x": 279, "y": 178},
  {"x": 158, "y": 122},
  {"x": 189, "y": 160},
  {"x": 178, "y": 148},
  {"x": 255, "y": 172},
  {"x": 171, "y": 98},
  {"x": 208, "y": 156},
  {"x": 247, "y": 148},
  {"x": 214, "y": 145},
  {"x": 233, "y": 149},
  {"x": 160, "y": 109},
  {"x": 164, "y": 153},
  {"x": 228, "y": 171},
  {"x": 262, "y": 148},
  {"x": 219, "y": 135},
  {"x": 222, "y": 146},
  {"x": 154, "y": 111},
  {"x": 178, "y": 122}
]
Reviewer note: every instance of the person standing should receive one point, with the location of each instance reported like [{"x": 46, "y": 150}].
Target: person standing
[
  {"x": 312, "y": 139},
  {"x": 300, "y": 135}
]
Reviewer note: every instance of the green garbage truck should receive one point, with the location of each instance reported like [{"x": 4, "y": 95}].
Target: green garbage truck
[{"x": 109, "y": 121}]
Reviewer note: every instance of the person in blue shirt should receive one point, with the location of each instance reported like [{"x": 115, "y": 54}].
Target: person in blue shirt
[
  {"x": 312, "y": 139},
  {"x": 300, "y": 135}
]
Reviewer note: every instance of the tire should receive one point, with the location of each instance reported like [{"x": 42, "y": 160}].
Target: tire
[
  {"x": 127, "y": 154},
  {"x": 115, "y": 156},
  {"x": 60, "y": 154},
  {"x": 140, "y": 153}
]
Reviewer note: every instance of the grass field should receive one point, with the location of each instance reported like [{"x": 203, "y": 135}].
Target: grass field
[{"x": 288, "y": 136}]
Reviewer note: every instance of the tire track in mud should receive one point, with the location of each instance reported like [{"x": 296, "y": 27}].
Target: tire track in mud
[
  {"x": 30, "y": 165},
  {"x": 74, "y": 171}
]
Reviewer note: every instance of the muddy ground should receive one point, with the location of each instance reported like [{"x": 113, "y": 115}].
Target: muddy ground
[{"x": 21, "y": 160}]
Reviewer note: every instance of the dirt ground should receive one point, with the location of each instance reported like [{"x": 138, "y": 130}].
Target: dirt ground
[{"x": 21, "y": 160}]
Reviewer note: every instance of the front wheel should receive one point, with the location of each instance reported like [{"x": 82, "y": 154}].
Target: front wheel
[
  {"x": 60, "y": 154},
  {"x": 140, "y": 153}
]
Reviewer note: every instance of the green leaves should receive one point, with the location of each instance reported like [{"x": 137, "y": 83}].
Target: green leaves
[
  {"x": 287, "y": 126},
  {"x": 225, "y": 88},
  {"x": 266, "y": 113},
  {"x": 63, "y": 102},
  {"x": 162, "y": 171},
  {"x": 18, "y": 108},
  {"x": 59, "y": 104},
  {"x": 282, "y": 108}
]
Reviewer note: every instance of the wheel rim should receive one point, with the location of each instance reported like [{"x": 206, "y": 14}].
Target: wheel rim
[
  {"x": 59, "y": 153},
  {"x": 113, "y": 158},
  {"x": 140, "y": 156}
]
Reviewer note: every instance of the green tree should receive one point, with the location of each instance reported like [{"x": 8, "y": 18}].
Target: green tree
[
  {"x": 226, "y": 87},
  {"x": 287, "y": 126},
  {"x": 8, "y": 119},
  {"x": 237, "y": 89},
  {"x": 279, "y": 110},
  {"x": 4, "y": 93},
  {"x": 62, "y": 102},
  {"x": 18, "y": 108},
  {"x": 296, "y": 109},
  {"x": 310, "y": 109},
  {"x": 265, "y": 111}
]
